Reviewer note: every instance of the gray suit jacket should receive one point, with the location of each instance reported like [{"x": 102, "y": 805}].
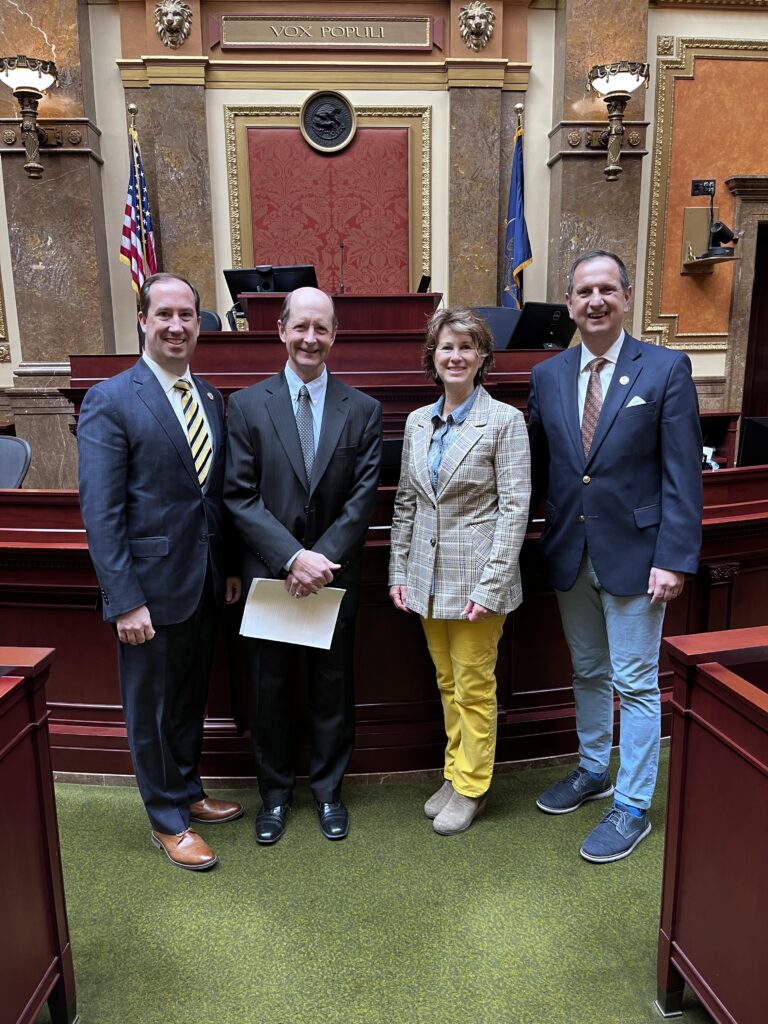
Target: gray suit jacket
[
  {"x": 468, "y": 535},
  {"x": 266, "y": 488}
]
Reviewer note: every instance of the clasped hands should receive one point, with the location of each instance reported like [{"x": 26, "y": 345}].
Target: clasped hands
[{"x": 310, "y": 571}]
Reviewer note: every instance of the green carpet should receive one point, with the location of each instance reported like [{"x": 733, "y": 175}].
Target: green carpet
[{"x": 505, "y": 924}]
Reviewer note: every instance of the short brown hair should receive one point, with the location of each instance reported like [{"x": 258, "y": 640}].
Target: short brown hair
[
  {"x": 462, "y": 321},
  {"x": 144, "y": 297}
]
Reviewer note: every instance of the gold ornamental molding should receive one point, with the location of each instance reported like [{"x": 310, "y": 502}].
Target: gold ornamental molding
[
  {"x": 661, "y": 328},
  {"x": 418, "y": 121},
  {"x": 5, "y": 348},
  {"x": 709, "y": 3},
  {"x": 428, "y": 75}
]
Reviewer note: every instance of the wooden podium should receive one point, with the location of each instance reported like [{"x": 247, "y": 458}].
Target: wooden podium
[
  {"x": 715, "y": 895},
  {"x": 36, "y": 964}
]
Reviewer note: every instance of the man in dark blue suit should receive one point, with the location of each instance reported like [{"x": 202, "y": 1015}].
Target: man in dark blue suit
[
  {"x": 616, "y": 446},
  {"x": 151, "y": 450}
]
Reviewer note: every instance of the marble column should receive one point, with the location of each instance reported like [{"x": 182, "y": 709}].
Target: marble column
[
  {"x": 473, "y": 197},
  {"x": 587, "y": 211},
  {"x": 56, "y": 233}
]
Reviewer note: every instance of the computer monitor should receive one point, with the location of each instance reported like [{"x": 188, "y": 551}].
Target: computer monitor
[
  {"x": 753, "y": 443},
  {"x": 269, "y": 279},
  {"x": 501, "y": 320},
  {"x": 543, "y": 325},
  {"x": 287, "y": 279}
]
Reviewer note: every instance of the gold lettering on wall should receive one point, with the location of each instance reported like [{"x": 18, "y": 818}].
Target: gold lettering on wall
[{"x": 246, "y": 31}]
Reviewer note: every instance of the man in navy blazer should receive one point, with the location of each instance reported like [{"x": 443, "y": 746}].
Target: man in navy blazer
[
  {"x": 622, "y": 477},
  {"x": 304, "y": 524},
  {"x": 154, "y": 516}
]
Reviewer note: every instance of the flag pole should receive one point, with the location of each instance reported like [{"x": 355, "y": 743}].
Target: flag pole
[{"x": 519, "y": 108}]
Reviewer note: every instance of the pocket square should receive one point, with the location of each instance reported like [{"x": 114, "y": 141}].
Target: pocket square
[{"x": 637, "y": 400}]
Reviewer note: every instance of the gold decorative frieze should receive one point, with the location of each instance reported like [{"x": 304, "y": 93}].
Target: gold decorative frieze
[
  {"x": 665, "y": 46},
  {"x": 660, "y": 327},
  {"x": 5, "y": 348},
  {"x": 77, "y": 136},
  {"x": 427, "y": 75},
  {"x": 418, "y": 121},
  {"x": 475, "y": 72},
  {"x": 709, "y": 3},
  {"x": 326, "y": 31},
  {"x": 589, "y": 139}
]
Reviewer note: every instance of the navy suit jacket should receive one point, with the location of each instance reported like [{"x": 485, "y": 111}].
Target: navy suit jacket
[
  {"x": 266, "y": 490},
  {"x": 636, "y": 500},
  {"x": 151, "y": 530}
]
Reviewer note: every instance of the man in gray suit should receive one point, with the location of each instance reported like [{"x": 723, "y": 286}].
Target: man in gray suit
[
  {"x": 151, "y": 459},
  {"x": 302, "y": 471}
]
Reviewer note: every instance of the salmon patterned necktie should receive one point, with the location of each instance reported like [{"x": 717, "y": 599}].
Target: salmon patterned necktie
[{"x": 592, "y": 404}]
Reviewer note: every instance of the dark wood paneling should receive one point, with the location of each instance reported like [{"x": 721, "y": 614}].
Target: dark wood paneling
[{"x": 48, "y": 595}]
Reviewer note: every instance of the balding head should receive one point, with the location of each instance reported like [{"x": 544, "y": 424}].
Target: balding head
[{"x": 285, "y": 312}]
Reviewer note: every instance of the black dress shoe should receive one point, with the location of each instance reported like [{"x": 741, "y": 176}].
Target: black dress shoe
[
  {"x": 334, "y": 820},
  {"x": 270, "y": 823}
]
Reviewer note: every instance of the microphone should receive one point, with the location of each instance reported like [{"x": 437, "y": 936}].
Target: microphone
[{"x": 341, "y": 283}]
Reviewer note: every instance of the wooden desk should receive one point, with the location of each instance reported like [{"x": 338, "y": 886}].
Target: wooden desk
[
  {"x": 715, "y": 895},
  {"x": 409, "y": 311},
  {"x": 36, "y": 964},
  {"x": 48, "y": 591}
]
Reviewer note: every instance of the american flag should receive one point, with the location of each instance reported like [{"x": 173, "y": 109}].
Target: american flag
[{"x": 137, "y": 245}]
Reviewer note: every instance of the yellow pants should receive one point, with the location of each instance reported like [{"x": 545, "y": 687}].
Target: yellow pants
[{"x": 464, "y": 655}]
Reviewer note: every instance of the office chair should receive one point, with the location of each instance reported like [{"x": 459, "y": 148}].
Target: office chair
[
  {"x": 15, "y": 457},
  {"x": 209, "y": 320}
]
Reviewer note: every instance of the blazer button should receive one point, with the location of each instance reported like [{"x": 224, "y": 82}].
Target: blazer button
[
  {"x": 582, "y": 519},
  {"x": 433, "y": 541},
  {"x": 586, "y": 479}
]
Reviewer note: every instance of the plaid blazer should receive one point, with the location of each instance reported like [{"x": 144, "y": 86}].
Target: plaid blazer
[{"x": 466, "y": 536}]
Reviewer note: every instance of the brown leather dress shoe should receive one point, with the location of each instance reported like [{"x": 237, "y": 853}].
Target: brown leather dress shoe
[
  {"x": 213, "y": 812},
  {"x": 187, "y": 850}
]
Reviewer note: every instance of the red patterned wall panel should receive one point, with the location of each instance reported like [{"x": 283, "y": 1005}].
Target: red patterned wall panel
[{"x": 303, "y": 204}]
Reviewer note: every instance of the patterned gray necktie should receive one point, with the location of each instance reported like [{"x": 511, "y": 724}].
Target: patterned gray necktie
[
  {"x": 592, "y": 404},
  {"x": 306, "y": 430}
]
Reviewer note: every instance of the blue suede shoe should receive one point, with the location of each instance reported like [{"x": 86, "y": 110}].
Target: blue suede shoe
[
  {"x": 572, "y": 791},
  {"x": 616, "y": 836}
]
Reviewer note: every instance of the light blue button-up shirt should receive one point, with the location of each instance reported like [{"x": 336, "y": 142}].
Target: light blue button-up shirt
[{"x": 445, "y": 433}]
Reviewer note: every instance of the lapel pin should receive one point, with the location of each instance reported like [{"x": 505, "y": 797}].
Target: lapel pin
[
  {"x": 211, "y": 396},
  {"x": 623, "y": 380}
]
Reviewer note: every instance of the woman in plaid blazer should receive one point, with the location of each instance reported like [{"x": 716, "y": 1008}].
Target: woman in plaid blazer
[{"x": 460, "y": 517}]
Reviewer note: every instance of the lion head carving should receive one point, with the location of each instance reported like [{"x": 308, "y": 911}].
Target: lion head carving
[
  {"x": 173, "y": 22},
  {"x": 476, "y": 22}
]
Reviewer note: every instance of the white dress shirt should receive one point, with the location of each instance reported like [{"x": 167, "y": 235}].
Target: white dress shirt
[
  {"x": 606, "y": 374},
  {"x": 166, "y": 379}
]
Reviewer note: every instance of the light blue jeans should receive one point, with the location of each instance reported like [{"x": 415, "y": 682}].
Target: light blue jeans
[{"x": 614, "y": 644}]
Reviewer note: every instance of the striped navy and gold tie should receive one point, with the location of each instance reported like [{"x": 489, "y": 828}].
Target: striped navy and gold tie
[{"x": 199, "y": 439}]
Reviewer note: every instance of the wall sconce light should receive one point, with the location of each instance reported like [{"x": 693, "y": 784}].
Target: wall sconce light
[
  {"x": 615, "y": 83},
  {"x": 29, "y": 79}
]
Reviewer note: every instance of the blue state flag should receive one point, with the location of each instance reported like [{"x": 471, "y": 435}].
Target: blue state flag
[{"x": 517, "y": 248}]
